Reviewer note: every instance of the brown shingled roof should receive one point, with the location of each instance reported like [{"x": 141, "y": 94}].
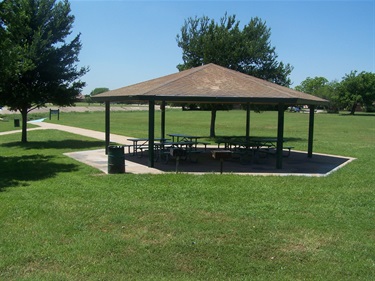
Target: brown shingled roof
[{"x": 210, "y": 83}]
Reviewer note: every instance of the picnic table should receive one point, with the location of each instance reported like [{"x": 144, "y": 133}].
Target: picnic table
[
  {"x": 182, "y": 144},
  {"x": 178, "y": 148},
  {"x": 235, "y": 142},
  {"x": 183, "y": 137},
  {"x": 251, "y": 148},
  {"x": 188, "y": 138},
  {"x": 254, "y": 143},
  {"x": 162, "y": 147},
  {"x": 139, "y": 144}
]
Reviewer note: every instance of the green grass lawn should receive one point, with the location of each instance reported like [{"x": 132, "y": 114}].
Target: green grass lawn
[{"x": 63, "y": 220}]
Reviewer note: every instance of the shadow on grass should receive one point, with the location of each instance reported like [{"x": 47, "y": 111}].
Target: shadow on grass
[
  {"x": 358, "y": 114},
  {"x": 18, "y": 170},
  {"x": 56, "y": 144}
]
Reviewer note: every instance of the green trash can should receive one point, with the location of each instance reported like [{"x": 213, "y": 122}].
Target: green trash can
[
  {"x": 116, "y": 159},
  {"x": 16, "y": 122}
]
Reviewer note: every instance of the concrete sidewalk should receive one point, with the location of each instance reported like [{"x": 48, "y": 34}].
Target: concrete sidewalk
[
  {"x": 84, "y": 132},
  {"x": 74, "y": 130},
  {"x": 17, "y": 131}
]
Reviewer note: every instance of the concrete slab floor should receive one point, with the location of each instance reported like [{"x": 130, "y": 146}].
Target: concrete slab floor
[{"x": 297, "y": 164}]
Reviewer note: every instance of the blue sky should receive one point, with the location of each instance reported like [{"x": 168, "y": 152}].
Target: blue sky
[{"x": 126, "y": 42}]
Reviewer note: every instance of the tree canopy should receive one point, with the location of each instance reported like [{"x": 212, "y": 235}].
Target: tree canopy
[
  {"x": 357, "y": 89},
  {"x": 97, "y": 91},
  {"x": 353, "y": 90},
  {"x": 38, "y": 65},
  {"x": 312, "y": 85},
  {"x": 321, "y": 87},
  {"x": 247, "y": 50}
]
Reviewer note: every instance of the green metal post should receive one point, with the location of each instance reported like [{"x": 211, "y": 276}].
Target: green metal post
[
  {"x": 162, "y": 129},
  {"x": 247, "y": 121},
  {"x": 311, "y": 132},
  {"x": 280, "y": 137},
  {"x": 107, "y": 126},
  {"x": 151, "y": 132}
]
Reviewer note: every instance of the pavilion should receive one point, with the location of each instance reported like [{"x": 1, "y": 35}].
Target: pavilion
[{"x": 211, "y": 83}]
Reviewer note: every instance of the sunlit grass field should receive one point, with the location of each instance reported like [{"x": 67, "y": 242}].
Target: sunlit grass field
[{"x": 63, "y": 220}]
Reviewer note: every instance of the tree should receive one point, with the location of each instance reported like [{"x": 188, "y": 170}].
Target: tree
[
  {"x": 248, "y": 50},
  {"x": 214, "y": 107},
  {"x": 7, "y": 59},
  {"x": 97, "y": 91},
  {"x": 41, "y": 65},
  {"x": 312, "y": 86},
  {"x": 321, "y": 87},
  {"x": 357, "y": 90}
]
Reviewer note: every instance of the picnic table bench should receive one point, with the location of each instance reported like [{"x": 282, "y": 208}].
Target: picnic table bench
[
  {"x": 248, "y": 149},
  {"x": 272, "y": 151},
  {"x": 140, "y": 144}
]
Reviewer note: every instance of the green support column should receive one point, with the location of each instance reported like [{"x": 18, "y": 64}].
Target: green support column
[
  {"x": 311, "y": 132},
  {"x": 280, "y": 137},
  {"x": 107, "y": 126},
  {"x": 151, "y": 132},
  {"x": 248, "y": 121},
  {"x": 162, "y": 128}
]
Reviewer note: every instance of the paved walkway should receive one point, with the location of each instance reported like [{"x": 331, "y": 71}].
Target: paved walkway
[
  {"x": 17, "y": 131},
  {"x": 84, "y": 132},
  {"x": 74, "y": 130}
]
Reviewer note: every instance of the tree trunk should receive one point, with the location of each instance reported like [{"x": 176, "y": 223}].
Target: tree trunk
[
  {"x": 213, "y": 121},
  {"x": 24, "y": 125},
  {"x": 354, "y": 106}
]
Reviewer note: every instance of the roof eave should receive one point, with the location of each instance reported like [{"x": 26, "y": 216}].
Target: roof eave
[{"x": 205, "y": 99}]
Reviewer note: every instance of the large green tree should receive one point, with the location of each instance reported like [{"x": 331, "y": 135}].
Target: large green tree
[
  {"x": 247, "y": 50},
  {"x": 312, "y": 86},
  {"x": 41, "y": 63},
  {"x": 321, "y": 87},
  {"x": 357, "y": 89}
]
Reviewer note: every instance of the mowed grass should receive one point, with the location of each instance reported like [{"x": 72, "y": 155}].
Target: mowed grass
[{"x": 63, "y": 220}]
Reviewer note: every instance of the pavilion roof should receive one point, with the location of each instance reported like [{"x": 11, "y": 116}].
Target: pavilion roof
[{"x": 210, "y": 83}]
